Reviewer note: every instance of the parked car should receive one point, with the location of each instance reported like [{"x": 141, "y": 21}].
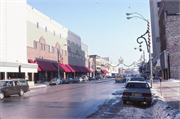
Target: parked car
[
  {"x": 11, "y": 87},
  {"x": 137, "y": 79},
  {"x": 69, "y": 80},
  {"x": 92, "y": 78},
  {"x": 85, "y": 78},
  {"x": 137, "y": 91},
  {"x": 55, "y": 81},
  {"x": 120, "y": 79},
  {"x": 78, "y": 79},
  {"x": 98, "y": 77}
]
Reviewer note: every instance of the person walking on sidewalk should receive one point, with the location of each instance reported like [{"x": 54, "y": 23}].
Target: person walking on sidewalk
[{"x": 145, "y": 77}]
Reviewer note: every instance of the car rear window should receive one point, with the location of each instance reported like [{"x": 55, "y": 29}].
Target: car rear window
[
  {"x": 22, "y": 83},
  {"x": 137, "y": 79},
  {"x": 119, "y": 77},
  {"x": 137, "y": 85}
]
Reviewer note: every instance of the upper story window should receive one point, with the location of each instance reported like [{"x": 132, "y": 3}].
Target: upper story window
[
  {"x": 54, "y": 33},
  {"x": 52, "y": 49},
  {"x": 69, "y": 54},
  {"x": 37, "y": 25},
  {"x": 62, "y": 52},
  {"x": 41, "y": 47},
  {"x": 46, "y": 28},
  {"x": 57, "y": 50},
  {"x": 48, "y": 48},
  {"x": 35, "y": 44}
]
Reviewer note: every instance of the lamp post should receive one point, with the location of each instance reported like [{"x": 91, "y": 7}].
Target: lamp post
[
  {"x": 58, "y": 52},
  {"x": 148, "y": 43}
]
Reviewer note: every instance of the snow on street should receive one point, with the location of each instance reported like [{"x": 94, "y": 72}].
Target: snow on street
[{"x": 114, "y": 108}]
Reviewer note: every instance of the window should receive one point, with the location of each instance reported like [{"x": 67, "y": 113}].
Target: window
[
  {"x": 69, "y": 54},
  {"x": 57, "y": 50},
  {"x": 41, "y": 46},
  {"x": 62, "y": 52},
  {"x": 23, "y": 82},
  {"x": 48, "y": 48},
  {"x": 37, "y": 25},
  {"x": 54, "y": 33},
  {"x": 46, "y": 29},
  {"x": 158, "y": 4},
  {"x": 75, "y": 43},
  {"x": 35, "y": 44},
  {"x": 60, "y": 35},
  {"x": 52, "y": 49}
]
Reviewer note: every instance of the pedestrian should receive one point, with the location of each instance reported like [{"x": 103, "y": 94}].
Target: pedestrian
[{"x": 145, "y": 77}]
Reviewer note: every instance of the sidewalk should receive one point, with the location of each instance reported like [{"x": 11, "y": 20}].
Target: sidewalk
[
  {"x": 170, "y": 91},
  {"x": 42, "y": 85}
]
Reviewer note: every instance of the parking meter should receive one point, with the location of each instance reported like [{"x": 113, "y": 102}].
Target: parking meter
[{"x": 160, "y": 79}]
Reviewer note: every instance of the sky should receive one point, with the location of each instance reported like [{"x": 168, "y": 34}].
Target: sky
[{"x": 102, "y": 24}]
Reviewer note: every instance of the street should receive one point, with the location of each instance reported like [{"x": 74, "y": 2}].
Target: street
[
  {"x": 89, "y": 99},
  {"x": 77, "y": 100}
]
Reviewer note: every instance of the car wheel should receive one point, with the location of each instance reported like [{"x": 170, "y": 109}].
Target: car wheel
[
  {"x": 124, "y": 101},
  {"x": 21, "y": 92},
  {"x": 2, "y": 95}
]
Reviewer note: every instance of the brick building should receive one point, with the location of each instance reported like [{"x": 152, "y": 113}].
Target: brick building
[{"x": 169, "y": 25}]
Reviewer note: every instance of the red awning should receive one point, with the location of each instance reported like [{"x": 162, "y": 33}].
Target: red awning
[
  {"x": 46, "y": 66},
  {"x": 85, "y": 69},
  {"x": 70, "y": 68},
  {"x": 74, "y": 67},
  {"x": 60, "y": 68},
  {"x": 81, "y": 69},
  {"x": 105, "y": 71},
  {"x": 88, "y": 69},
  {"x": 65, "y": 68},
  {"x": 31, "y": 61}
]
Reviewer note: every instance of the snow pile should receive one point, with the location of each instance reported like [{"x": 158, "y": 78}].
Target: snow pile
[
  {"x": 161, "y": 110},
  {"x": 172, "y": 80}
]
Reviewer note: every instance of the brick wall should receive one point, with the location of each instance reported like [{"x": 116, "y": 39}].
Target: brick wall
[{"x": 173, "y": 44}]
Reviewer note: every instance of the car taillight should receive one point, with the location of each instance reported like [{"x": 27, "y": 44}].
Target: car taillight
[
  {"x": 126, "y": 93},
  {"x": 146, "y": 95}
]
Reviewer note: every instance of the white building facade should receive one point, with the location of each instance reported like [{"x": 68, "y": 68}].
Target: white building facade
[{"x": 13, "y": 40}]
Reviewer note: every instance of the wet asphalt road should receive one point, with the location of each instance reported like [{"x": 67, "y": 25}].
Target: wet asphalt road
[{"x": 77, "y": 100}]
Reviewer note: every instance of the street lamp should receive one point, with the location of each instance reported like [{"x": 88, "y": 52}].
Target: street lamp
[
  {"x": 148, "y": 43},
  {"x": 58, "y": 52}
]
